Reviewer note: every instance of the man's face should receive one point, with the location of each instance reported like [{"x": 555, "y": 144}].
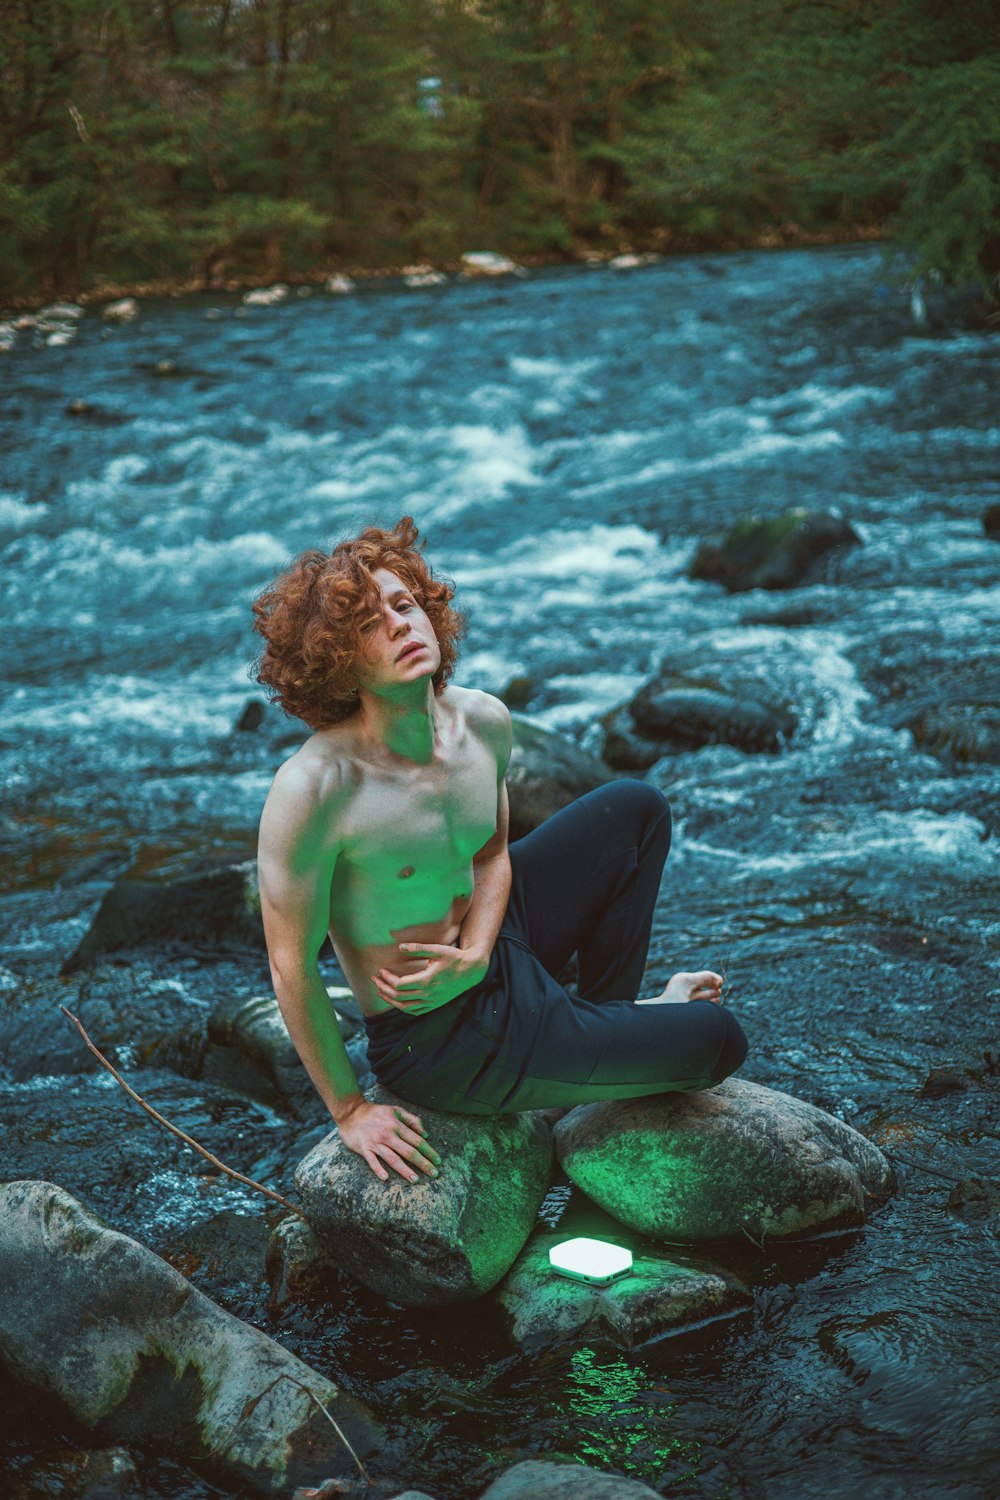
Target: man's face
[{"x": 400, "y": 647}]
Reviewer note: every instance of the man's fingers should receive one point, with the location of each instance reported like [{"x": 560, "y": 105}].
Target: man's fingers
[
  {"x": 419, "y": 1144},
  {"x": 396, "y": 1162},
  {"x": 376, "y": 1166},
  {"x": 428, "y": 950},
  {"x": 409, "y": 1118}
]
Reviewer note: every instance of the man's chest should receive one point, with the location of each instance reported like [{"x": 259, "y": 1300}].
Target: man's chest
[{"x": 425, "y": 822}]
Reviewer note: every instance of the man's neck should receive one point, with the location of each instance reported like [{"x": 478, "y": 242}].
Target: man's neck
[{"x": 405, "y": 726}]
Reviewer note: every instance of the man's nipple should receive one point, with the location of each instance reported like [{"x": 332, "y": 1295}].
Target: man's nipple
[{"x": 405, "y": 872}]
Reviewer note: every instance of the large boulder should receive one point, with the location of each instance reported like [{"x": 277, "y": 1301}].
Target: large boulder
[
  {"x": 781, "y": 552},
  {"x": 659, "y": 1296},
  {"x": 437, "y": 1240},
  {"x": 546, "y": 773},
  {"x": 686, "y": 712},
  {"x": 539, "y": 1479},
  {"x": 735, "y": 1160},
  {"x": 137, "y": 1355},
  {"x": 216, "y": 908},
  {"x": 250, "y": 1049}
]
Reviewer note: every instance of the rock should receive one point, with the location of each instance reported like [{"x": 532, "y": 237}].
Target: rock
[
  {"x": 255, "y": 1029},
  {"x": 546, "y": 773},
  {"x": 991, "y": 521},
  {"x": 659, "y": 1297},
  {"x": 519, "y": 692},
  {"x": 340, "y": 286},
  {"x": 944, "y": 692},
  {"x": 779, "y": 553},
  {"x": 537, "y": 1479},
  {"x": 624, "y": 750},
  {"x": 299, "y": 1266},
  {"x": 265, "y": 296},
  {"x": 942, "y": 1081},
  {"x": 214, "y": 908},
  {"x": 89, "y": 1474},
  {"x": 60, "y": 312},
  {"x": 957, "y": 731},
  {"x": 135, "y": 1354},
  {"x": 60, "y": 338},
  {"x": 974, "y": 1199},
  {"x": 99, "y": 415},
  {"x": 629, "y": 262},
  {"x": 488, "y": 263},
  {"x": 738, "y": 1159},
  {"x": 687, "y": 715},
  {"x": 253, "y": 714},
  {"x": 418, "y": 276},
  {"x": 440, "y": 1240},
  {"x": 125, "y": 310}
]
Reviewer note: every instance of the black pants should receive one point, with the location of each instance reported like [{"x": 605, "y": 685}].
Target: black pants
[{"x": 584, "y": 882}]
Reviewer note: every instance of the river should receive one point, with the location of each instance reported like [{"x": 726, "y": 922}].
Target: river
[{"x": 565, "y": 441}]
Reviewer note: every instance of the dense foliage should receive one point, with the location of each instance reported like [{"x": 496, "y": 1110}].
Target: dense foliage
[{"x": 205, "y": 139}]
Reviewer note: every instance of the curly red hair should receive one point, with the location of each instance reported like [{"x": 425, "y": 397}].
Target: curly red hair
[{"x": 313, "y": 615}]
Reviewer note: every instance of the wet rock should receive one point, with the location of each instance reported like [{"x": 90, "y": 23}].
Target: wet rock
[
  {"x": 991, "y": 521},
  {"x": 686, "y": 705},
  {"x": 777, "y": 553},
  {"x": 266, "y": 296},
  {"x": 538, "y": 1479},
  {"x": 974, "y": 1200},
  {"x": 942, "y": 1081},
  {"x": 255, "y": 1030},
  {"x": 99, "y": 415},
  {"x": 735, "y": 1160},
  {"x": 279, "y": 730},
  {"x": 252, "y": 717},
  {"x": 60, "y": 312},
  {"x": 630, "y": 262},
  {"x": 624, "y": 750},
  {"x": 216, "y": 1253},
  {"x": 92, "y": 1474},
  {"x": 687, "y": 714},
  {"x": 423, "y": 275},
  {"x": 545, "y": 774},
  {"x": 125, "y": 310},
  {"x": 519, "y": 692},
  {"x": 134, "y": 1353},
  {"x": 300, "y": 1267},
  {"x": 440, "y": 1240},
  {"x": 210, "y": 909},
  {"x": 488, "y": 263},
  {"x": 340, "y": 286},
  {"x": 660, "y": 1296},
  {"x": 942, "y": 689}
]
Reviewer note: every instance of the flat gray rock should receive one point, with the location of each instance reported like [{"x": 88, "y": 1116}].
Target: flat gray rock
[
  {"x": 137, "y": 1355},
  {"x": 658, "y": 1297},
  {"x": 439, "y": 1240},
  {"x": 538, "y": 1479},
  {"x": 732, "y": 1161}
]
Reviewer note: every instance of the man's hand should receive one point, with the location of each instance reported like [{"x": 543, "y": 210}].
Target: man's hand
[
  {"x": 383, "y": 1133},
  {"x": 447, "y": 973}
]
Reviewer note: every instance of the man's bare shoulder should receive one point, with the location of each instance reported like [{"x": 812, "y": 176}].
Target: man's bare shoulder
[
  {"x": 315, "y": 779},
  {"x": 486, "y": 715}
]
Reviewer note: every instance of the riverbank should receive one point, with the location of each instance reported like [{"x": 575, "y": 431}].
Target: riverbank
[{"x": 660, "y": 243}]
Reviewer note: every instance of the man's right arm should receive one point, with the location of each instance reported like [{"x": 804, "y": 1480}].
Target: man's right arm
[{"x": 295, "y": 858}]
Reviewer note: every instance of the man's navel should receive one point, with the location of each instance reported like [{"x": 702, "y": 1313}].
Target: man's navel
[{"x": 405, "y": 872}]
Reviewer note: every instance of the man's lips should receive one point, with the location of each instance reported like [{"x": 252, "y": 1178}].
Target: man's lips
[{"x": 408, "y": 650}]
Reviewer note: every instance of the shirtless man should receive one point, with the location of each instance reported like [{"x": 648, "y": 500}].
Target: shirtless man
[{"x": 387, "y": 830}]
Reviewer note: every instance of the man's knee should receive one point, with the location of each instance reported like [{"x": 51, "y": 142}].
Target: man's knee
[
  {"x": 734, "y": 1048},
  {"x": 628, "y": 799}
]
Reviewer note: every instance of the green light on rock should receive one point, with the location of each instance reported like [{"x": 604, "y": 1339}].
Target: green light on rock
[{"x": 596, "y": 1261}]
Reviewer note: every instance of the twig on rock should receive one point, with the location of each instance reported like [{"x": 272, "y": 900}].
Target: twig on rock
[{"x": 187, "y": 1139}]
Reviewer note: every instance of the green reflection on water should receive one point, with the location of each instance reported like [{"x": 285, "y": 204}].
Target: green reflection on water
[{"x": 620, "y": 1421}]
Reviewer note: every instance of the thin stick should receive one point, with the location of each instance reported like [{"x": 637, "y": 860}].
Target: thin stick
[
  {"x": 336, "y": 1427},
  {"x": 188, "y": 1140}
]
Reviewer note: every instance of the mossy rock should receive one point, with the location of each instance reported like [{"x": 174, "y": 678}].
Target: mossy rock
[{"x": 781, "y": 552}]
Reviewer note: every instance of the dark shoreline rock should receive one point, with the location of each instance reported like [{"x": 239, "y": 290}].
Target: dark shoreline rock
[
  {"x": 779, "y": 552},
  {"x": 137, "y": 1355}
]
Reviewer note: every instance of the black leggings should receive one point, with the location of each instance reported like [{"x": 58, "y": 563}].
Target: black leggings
[{"x": 584, "y": 882}]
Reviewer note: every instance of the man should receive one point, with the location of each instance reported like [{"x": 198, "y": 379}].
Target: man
[{"x": 387, "y": 830}]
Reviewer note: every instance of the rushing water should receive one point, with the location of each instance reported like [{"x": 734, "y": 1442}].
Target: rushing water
[{"x": 564, "y": 441}]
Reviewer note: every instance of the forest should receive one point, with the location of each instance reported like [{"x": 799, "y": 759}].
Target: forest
[{"x": 197, "y": 142}]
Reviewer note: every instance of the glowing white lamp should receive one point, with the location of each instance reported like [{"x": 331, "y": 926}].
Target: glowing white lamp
[{"x": 595, "y": 1261}]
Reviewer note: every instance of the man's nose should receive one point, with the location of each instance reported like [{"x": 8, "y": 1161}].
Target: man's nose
[{"x": 397, "y": 623}]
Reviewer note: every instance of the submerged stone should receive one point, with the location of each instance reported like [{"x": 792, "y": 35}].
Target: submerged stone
[
  {"x": 217, "y": 908},
  {"x": 779, "y": 552},
  {"x": 539, "y": 1479},
  {"x": 658, "y": 1297},
  {"x": 137, "y": 1355},
  {"x": 437, "y": 1240},
  {"x": 733, "y": 1161}
]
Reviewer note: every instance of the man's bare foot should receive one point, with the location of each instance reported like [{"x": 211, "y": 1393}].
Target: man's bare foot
[{"x": 705, "y": 985}]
